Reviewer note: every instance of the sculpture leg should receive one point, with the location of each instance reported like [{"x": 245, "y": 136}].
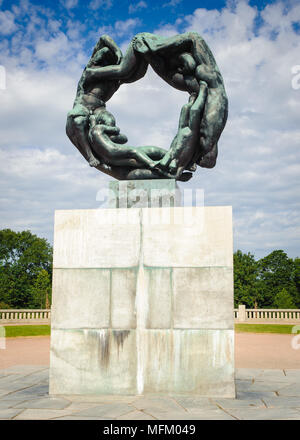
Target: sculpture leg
[
  {"x": 155, "y": 153},
  {"x": 183, "y": 122},
  {"x": 76, "y": 129},
  {"x": 209, "y": 160},
  {"x": 113, "y": 153},
  {"x": 212, "y": 124}
]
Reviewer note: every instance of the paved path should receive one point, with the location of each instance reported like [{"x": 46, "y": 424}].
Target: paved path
[
  {"x": 268, "y": 387},
  {"x": 25, "y": 351},
  {"x": 252, "y": 350},
  {"x": 261, "y": 395},
  {"x": 265, "y": 350}
]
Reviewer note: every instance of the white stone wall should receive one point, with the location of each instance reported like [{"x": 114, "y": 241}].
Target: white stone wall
[{"x": 143, "y": 302}]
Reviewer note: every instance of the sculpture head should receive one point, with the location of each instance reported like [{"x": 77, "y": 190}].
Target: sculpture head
[{"x": 103, "y": 57}]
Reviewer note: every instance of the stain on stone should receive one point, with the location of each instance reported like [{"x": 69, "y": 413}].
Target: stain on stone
[
  {"x": 120, "y": 336},
  {"x": 100, "y": 341},
  {"x": 104, "y": 347}
]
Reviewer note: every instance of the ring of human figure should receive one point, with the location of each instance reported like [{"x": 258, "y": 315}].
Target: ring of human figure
[{"x": 93, "y": 130}]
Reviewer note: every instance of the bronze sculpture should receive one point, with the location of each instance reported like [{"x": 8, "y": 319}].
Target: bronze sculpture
[{"x": 183, "y": 61}]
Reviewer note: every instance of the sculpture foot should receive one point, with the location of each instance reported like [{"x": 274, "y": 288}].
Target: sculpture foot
[{"x": 185, "y": 177}]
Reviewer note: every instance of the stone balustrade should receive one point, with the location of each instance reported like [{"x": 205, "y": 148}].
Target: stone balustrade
[
  {"x": 266, "y": 316},
  {"x": 25, "y": 316},
  {"x": 241, "y": 315}
]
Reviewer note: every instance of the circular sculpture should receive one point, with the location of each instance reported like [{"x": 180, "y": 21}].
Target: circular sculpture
[{"x": 183, "y": 61}]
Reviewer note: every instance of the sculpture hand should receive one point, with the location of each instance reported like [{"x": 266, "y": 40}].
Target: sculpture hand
[
  {"x": 139, "y": 44},
  {"x": 203, "y": 84}
]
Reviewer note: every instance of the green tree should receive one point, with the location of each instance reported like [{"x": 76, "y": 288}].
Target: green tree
[
  {"x": 276, "y": 272},
  {"x": 3, "y": 305},
  {"x": 41, "y": 291},
  {"x": 283, "y": 300},
  {"x": 22, "y": 256},
  {"x": 245, "y": 280},
  {"x": 296, "y": 279}
]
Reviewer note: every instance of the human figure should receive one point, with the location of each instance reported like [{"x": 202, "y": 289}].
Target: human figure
[
  {"x": 91, "y": 96},
  {"x": 88, "y": 133},
  {"x": 183, "y": 147},
  {"x": 182, "y": 61},
  {"x": 103, "y": 134}
]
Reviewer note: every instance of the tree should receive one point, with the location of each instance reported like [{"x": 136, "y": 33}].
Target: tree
[
  {"x": 296, "y": 279},
  {"x": 245, "y": 280},
  {"x": 283, "y": 300},
  {"x": 41, "y": 291},
  {"x": 276, "y": 272},
  {"x": 3, "y": 305},
  {"x": 22, "y": 256}
]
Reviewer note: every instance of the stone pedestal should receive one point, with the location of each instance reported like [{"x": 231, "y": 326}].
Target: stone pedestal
[
  {"x": 156, "y": 193},
  {"x": 143, "y": 302}
]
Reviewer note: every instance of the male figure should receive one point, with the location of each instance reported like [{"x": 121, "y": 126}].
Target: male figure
[
  {"x": 185, "y": 143},
  {"x": 183, "y": 61}
]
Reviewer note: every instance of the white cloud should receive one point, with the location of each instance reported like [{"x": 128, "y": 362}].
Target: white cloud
[
  {"x": 119, "y": 28},
  {"x": 133, "y": 7},
  {"x": 167, "y": 30},
  {"x": 7, "y": 23},
  {"x": 100, "y": 4},
  {"x": 69, "y": 4},
  {"x": 36, "y": 103},
  {"x": 172, "y": 3},
  {"x": 123, "y": 27},
  {"x": 258, "y": 167},
  {"x": 34, "y": 179}
]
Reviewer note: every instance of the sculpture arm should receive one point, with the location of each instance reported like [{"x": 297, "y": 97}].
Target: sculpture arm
[
  {"x": 198, "y": 107},
  {"x": 161, "y": 44},
  {"x": 129, "y": 65},
  {"x": 119, "y": 138},
  {"x": 108, "y": 129},
  {"x": 185, "y": 115}
]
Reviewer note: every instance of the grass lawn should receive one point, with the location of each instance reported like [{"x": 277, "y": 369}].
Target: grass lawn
[
  {"x": 263, "y": 328},
  {"x": 11, "y": 331}
]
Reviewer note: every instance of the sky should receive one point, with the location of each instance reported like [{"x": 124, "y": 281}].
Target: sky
[{"x": 44, "y": 47}]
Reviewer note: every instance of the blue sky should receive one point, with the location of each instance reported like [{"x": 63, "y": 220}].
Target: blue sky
[
  {"x": 132, "y": 16},
  {"x": 44, "y": 47}
]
